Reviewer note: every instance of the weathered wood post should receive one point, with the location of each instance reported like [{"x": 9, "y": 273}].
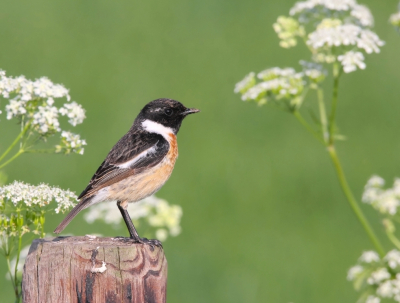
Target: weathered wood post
[{"x": 90, "y": 269}]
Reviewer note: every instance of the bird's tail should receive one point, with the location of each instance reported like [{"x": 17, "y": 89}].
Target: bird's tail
[{"x": 80, "y": 206}]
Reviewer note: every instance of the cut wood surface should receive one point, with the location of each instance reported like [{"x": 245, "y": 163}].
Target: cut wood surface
[{"x": 90, "y": 269}]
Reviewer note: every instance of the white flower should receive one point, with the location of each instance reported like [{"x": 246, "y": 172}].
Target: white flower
[
  {"x": 375, "y": 181},
  {"x": 395, "y": 19},
  {"x": 74, "y": 112},
  {"x": 345, "y": 35},
  {"x": 276, "y": 72},
  {"x": 393, "y": 258},
  {"x": 262, "y": 87},
  {"x": 354, "y": 272},
  {"x": 108, "y": 212},
  {"x": 43, "y": 87},
  {"x": 245, "y": 84},
  {"x": 161, "y": 234},
  {"x": 165, "y": 215},
  {"x": 15, "y": 108},
  {"x": 46, "y": 119},
  {"x": 338, "y": 5},
  {"x": 363, "y": 14},
  {"x": 70, "y": 143},
  {"x": 157, "y": 212},
  {"x": 288, "y": 29},
  {"x": 373, "y": 299},
  {"x": 7, "y": 85},
  {"x": 385, "y": 289},
  {"x": 385, "y": 201},
  {"x": 26, "y": 89},
  {"x": 60, "y": 91},
  {"x": 313, "y": 70},
  {"x": 175, "y": 230},
  {"x": 396, "y": 186},
  {"x": 351, "y": 60},
  {"x": 388, "y": 203},
  {"x": 282, "y": 83},
  {"x": 378, "y": 276},
  {"x": 41, "y": 195},
  {"x": 369, "y": 257},
  {"x": 345, "y": 8},
  {"x": 369, "y": 41},
  {"x": 370, "y": 194}
]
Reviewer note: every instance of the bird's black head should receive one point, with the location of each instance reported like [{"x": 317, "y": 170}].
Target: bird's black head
[{"x": 167, "y": 112}]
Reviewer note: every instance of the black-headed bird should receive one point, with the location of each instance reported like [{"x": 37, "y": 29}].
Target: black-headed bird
[{"x": 138, "y": 165}]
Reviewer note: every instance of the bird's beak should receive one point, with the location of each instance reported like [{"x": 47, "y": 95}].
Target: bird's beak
[{"x": 189, "y": 111}]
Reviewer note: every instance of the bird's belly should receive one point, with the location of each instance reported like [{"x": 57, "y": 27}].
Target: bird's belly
[{"x": 142, "y": 185}]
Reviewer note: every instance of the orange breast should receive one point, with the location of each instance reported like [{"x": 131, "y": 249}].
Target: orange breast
[
  {"x": 140, "y": 186},
  {"x": 173, "y": 150}
]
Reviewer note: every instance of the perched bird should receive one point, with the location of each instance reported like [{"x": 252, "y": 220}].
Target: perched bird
[{"x": 139, "y": 164}]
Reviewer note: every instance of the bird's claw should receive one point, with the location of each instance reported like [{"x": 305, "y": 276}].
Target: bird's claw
[{"x": 151, "y": 242}]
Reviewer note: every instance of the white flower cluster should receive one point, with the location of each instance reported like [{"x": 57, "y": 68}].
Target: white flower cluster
[
  {"x": 276, "y": 82},
  {"x": 346, "y": 9},
  {"x": 152, "y": 211},
  {"x": 70, "y": 143},
  {"x": 280, "y": 83},
  {"x": 351, "y": 60},
  {"x": 245, "y": 84},
  {"x": 314, "y": 71},
  {"x": 386, "y": 201},
  {"x": 33, "y": 101},
  {"x": 395, "y": 19},
  {"x": 332, "y": 33},
  {"x": 340, "y": 30},
  {"x": 74, "y": 112},
  {"x": 25, "y": 196},
  {"x": 378, "y": 276},
  {"x": 288, "y": 29}
]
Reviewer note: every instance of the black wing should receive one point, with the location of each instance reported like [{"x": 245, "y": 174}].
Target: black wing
[{"x": 148, "y": 149}]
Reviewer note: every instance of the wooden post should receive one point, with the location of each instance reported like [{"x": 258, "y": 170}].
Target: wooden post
[{"x": 90, "y": 269}]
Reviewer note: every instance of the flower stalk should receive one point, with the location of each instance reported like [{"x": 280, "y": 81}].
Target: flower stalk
[
  {"x": 338, "y": 34},
  {"x": 23, "y": 207},
  {"x": 336, "y": 74},
  {"x": 17, "y": 139},
  {"x": 352, "y": 201}
]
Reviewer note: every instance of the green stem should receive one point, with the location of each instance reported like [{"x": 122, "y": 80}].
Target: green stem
[
  {"x": 16, "y": 282},
  {"x": 21, "y": 134},
  {"x": 393, "y": 239},
  {"x": 42, "y": 151},
  {"x": 20, "y": 152},
  {"x": 11, "y": 277},
  {"x": 307, "y": 126},
  {"x": 322, "y": 114},
  {"x": 332, "y": 117},
  {"x": 352, "y": 201}
]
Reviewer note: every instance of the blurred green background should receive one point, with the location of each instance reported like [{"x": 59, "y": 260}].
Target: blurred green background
[{"x": 264, "y": 217}]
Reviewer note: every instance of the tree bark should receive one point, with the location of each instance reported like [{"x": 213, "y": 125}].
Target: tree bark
[{"x": 89, "y": 269}]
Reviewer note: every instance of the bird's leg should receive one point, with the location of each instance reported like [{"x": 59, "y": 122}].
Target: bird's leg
[
  {"x": 122, "y": 206},
  {"x": 129, "y": 224}
]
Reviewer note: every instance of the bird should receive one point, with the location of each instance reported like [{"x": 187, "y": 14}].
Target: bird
[{"x": 138, "y": 165}]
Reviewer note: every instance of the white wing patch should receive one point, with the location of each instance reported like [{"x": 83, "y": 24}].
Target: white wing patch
[
  {"x": 154, "y": 127},
  {"x": 142, "y": 155}
]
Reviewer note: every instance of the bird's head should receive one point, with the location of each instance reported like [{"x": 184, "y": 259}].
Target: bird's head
[{"x": 165, "y": 112}]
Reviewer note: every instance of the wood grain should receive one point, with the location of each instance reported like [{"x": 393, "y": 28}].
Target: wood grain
[{"x": 69, "y": 269}]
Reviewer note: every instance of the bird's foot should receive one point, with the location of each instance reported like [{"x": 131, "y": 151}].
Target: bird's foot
[{"x": 151, "y": 242}]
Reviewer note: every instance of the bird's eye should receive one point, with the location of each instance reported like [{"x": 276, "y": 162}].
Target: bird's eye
[{"x": 168, "y": 112}]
